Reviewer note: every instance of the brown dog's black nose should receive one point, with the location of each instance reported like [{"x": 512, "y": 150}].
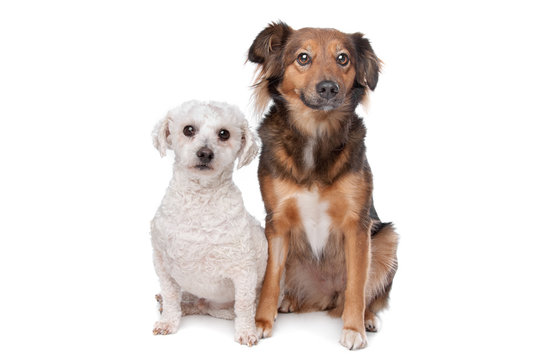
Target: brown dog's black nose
[
  {"x": 205, "y": 155},
  {"x": 327, "y": 89}
]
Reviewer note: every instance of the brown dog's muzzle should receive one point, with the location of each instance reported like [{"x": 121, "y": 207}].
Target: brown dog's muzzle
[
  {"x": 327, "y": 89},
  {"x": 326, "y": 95}
]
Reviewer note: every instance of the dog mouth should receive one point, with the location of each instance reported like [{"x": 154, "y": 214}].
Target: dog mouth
[
  {"x": 203, "y": 167},
  {"x": 321, "y": 104}
]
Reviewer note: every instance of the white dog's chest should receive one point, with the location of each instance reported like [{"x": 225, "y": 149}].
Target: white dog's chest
[
  {"x": 201, "y": 251},
  {"x": 315, "y": 219},
  {"x": 203, "y": 270}
]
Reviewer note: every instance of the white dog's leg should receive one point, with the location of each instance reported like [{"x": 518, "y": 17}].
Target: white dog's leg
[
  {"x": 192, "y": 305},
  {"x": 221, "y": 310},
  {"x": 227, "y": 314},
  {"x": 244, "y": 308},
  {"x": 171, "y": 295}
]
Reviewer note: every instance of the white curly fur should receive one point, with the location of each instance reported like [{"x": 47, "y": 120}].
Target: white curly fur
[{"x": 205, "y": 242}]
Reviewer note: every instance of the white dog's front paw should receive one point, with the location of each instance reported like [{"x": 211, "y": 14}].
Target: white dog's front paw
[
  {"x": 248, "y": 338},
  {"x": 166, "y": 327},
  {"x": 353, "y": 340}
]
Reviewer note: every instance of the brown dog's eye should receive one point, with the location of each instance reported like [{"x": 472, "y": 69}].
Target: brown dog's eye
[
  {"x": 189, "y": 131},
  {"x": 224, "y": 135},
  {"x": 303, "y": 59},
  {"x": 342, "y": 59}
]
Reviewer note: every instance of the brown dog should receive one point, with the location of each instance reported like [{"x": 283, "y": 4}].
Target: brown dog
[{"x": 322, "y": 229}]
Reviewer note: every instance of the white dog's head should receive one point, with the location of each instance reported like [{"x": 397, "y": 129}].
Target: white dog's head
[{"x": 206, "y": 137}]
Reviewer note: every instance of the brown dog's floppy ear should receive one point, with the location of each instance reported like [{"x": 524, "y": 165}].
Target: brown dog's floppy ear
[
  {"x": 269, "y": 42},
  {"x": 266, "y": 52},
  {"x": 161, "y": 136},
  {"x": 368, "y": 64}
]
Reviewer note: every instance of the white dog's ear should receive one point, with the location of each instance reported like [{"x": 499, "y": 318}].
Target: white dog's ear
[
  {"x": 161, "y": 136},
  {"x": 250, "y": 146}
]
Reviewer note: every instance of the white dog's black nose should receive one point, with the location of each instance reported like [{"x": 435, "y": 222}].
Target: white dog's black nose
[{"x": 205, "y": 155}]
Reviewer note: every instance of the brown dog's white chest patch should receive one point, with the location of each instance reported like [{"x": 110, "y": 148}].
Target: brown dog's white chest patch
[{"x": 313, "y": 213}]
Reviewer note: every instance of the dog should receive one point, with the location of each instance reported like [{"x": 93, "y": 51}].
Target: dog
[
  {"x": 209, "y": 252},
  {"x": 324, "y": 235}
]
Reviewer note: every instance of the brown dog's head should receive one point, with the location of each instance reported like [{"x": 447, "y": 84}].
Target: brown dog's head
[{"x": 321, "y": 69}]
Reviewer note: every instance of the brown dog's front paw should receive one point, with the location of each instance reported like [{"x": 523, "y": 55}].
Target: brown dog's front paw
[
  {"x": 264, "y": 328},
  {"x": 353, "y": 340}
]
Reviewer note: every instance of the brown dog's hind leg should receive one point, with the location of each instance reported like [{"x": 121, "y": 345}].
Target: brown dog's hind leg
[
  {"x": 376, "y": 305},
  {"x": 382, "y": 270},
  {"x": 289, "y": 304}
]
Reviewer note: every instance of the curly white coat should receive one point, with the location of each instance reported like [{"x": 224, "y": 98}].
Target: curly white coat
[{"x": 209, "y": 253}]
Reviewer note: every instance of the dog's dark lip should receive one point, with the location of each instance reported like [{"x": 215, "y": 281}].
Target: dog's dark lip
[
  {"x": 203, "y": 167},
  {"x": 325, "y": 107}
]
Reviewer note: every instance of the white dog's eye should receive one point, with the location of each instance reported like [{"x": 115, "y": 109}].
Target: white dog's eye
[
  {"x": 189, "y": 131},
  {"x": 224, "y": 135}
]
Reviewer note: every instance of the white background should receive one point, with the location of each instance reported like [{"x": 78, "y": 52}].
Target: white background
[{"x": 452, "y": 141}]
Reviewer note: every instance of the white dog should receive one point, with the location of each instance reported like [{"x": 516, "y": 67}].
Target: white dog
[{"x": 209, "y": 252}]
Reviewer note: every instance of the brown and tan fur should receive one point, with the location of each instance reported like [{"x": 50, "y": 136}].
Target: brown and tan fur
[{"x": 313, "y": 148}]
